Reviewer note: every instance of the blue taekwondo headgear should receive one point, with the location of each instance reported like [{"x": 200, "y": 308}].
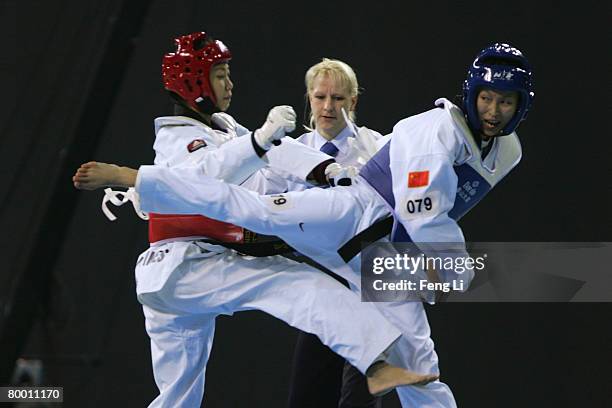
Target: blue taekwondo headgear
[{"x": 499, "y": 66}]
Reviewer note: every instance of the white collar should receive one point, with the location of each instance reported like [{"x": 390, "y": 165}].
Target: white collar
[{"x": 340, "y": 141}]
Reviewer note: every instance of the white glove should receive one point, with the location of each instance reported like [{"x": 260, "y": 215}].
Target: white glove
[
  {"x": 280, "y": 121},
  {"x": 338, "y": 175}
]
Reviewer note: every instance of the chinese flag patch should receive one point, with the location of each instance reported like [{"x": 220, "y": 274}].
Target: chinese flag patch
[
  {"x": 195, "y": 145},
  {"x": 418, "y": 178}
]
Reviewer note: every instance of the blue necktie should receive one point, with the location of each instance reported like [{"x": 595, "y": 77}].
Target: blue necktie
[{"x": 330, "y": 149}]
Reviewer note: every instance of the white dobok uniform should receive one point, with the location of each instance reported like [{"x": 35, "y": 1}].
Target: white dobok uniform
[
  {"x": 184, "y": 283},
  {"x": 431, "y": 155}
]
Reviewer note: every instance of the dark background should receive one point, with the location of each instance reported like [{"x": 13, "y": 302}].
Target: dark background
[{"x": 82, "y": 81}]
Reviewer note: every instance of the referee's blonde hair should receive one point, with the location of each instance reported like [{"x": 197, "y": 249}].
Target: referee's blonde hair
[{"x": 340, "y": 72}]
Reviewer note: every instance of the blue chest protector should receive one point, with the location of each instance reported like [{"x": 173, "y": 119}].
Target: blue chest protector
[
  {"x": 474, "y": 179},
  {"x": 471, "y": 187}
]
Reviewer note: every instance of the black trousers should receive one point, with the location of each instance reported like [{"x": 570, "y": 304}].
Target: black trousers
[{"x": 322, "y": 379}]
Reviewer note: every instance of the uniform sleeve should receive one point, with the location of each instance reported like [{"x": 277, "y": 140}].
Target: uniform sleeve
[
  {"x": 188, "y": 146},
  {"x": 295, "y": 158},
  {"x": 233, "y": 162}
]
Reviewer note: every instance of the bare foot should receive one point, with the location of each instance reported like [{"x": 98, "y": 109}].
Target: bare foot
[
  {"x": 383, "y": 377},
  {"x": 94, "y": 175}
]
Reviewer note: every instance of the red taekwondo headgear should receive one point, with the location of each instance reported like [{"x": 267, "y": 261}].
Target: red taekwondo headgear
[{"x": 186, "y": 71}]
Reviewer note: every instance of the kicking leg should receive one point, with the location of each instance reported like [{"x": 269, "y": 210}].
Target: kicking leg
[
  {"x": 326, "y": 217},
  {"x": 433, "y": 395},
  {"x": 383, "y": 377},
  {"x": 321, "y": 305},
  {"x": 95, "y": 175}
]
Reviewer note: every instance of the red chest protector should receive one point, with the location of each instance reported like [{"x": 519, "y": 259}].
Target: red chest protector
[{"x": 168, "y": 226}]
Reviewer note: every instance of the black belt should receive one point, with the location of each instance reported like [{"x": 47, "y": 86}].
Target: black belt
[
  {"x": 254, "y": 244},
  {"x": 268, "y": 245},
  {"x": 296, "y": 256},
  {"x": 371, "y": 234}
]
